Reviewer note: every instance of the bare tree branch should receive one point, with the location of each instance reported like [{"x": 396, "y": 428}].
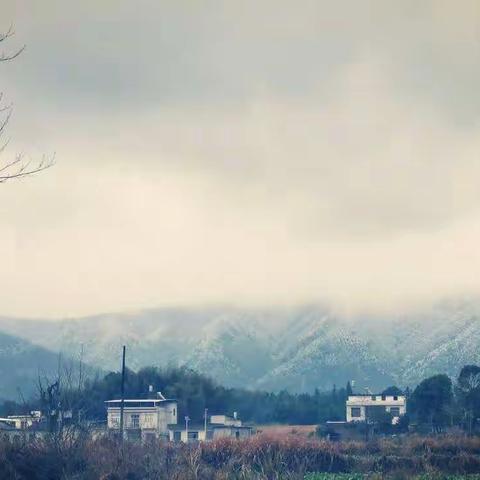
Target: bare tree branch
[
  {"x": 19, "y": 167},
  {"x": 4, "y": 56},
  {"x": 23, "y": 169}
]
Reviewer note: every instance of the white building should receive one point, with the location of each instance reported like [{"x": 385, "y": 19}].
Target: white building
[
  {"x": 226, "y": 420},
  {"x": 362, "y": 407},
  {"x": 144, "y": 419},
  {"x": 219, "y": 426},
  {"x": 22, "y": 422}
]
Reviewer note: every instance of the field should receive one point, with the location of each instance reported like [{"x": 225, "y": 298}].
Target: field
[
  {"x": 282, "y": 430},
  {"x": 264, "y": 457},
  {"x": 358, "y": 476}
]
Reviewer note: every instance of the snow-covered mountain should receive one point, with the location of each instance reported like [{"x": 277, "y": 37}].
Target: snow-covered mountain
[{"x": 298, "y": 348}]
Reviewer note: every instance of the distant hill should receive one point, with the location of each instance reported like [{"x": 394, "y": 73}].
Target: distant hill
[
  {"x": 299, "y": 349},
  {"x": 21, "y": 363}
]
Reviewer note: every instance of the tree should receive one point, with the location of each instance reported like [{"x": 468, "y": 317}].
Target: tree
[
  {"x": 19, "y": 166},
  {"x": 393, "y": 390},
  {"x": 432, "y": 401},
  {"x": 349, "y": 389},
  {"x": 468, "y": 394}
]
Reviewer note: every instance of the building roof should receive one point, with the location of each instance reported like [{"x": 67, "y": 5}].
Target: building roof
[
  {"x": 375, "y": 395},
  {"x": 210, "y": 426},
  {"x": 136, "y": 400},
  {"x": 218, "y": 426},
  {"x": 191, "y": 427}
]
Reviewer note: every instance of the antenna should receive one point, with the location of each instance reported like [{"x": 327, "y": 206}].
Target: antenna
[{"x": 122, "y": 399}]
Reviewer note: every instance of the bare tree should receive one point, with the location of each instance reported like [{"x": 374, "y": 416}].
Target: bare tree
[{"x": 19, "y": 166}]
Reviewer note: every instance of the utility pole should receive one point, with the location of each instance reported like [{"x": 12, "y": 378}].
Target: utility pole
[
  {"x": 205, "y": 425},
  {"x": 187, "y": 419},
  {"x": 122, "y": 398}
]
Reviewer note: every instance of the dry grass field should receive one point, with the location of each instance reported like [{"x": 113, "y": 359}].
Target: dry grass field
[
  {"x": 263, "y": 457},
  {"x": 287, "y": 430}
]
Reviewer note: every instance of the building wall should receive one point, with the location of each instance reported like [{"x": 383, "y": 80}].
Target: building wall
[
  {"x": 225, "y": 420},
  {"x": 212, "y": 433},
  {"x": 171, "y": 414},
  {"x": 231, "y": 432},
  {"x": 194, "y": 435},
  {"x": 359, "y": 403},
  {"x": 21, "y": 422},
  {"x": 144, "y": 418}
]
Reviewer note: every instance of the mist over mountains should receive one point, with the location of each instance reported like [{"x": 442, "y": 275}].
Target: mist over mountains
[{"x": 298, "y": 349}]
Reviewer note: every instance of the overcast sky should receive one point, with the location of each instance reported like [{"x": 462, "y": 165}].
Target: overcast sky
[{"x": 245, "y": 152}]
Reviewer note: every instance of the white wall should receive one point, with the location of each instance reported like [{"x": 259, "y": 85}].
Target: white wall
[
  {"x": 231, "y": 432},
  {"x": 225, "y": 420},
  {"x": 154, "y": 418},
  {"x": 364, "y": 401}
]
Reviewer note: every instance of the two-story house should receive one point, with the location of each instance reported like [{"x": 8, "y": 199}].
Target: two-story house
[
  {"x": 361, "y": 408},
  {"x": 143, "y": 418}
]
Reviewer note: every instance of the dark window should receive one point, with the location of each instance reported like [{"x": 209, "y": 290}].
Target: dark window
[
  {"x": 395, "y": 411},
  {"x": 237, "y": 434},
  {"x": 173, "y": 412},
  {"x": 356, "y": 412},
  {"x": 374, "y": 397},
  {"x": 384, "y": 397},
  {"x": 395, "y": 397},
  {"x": 135, "y": 419}
]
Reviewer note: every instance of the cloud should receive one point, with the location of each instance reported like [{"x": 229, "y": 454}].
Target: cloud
[{"x": 271, "y": 155}]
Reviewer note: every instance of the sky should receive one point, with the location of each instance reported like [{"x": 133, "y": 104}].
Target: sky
[{"x": 248, "y": 153}]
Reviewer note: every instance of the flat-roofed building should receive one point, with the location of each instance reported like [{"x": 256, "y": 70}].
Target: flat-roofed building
[
  {"x": 22, "y": 422},
  {"x": 219, "y": 426},
  {"x": 361, "y": 408},
  {"x": 143, "y": 418}
]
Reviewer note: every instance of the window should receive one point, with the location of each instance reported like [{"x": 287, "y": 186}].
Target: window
[
  {"x": 174, "y": 413},
  {"x": 395, "y": 411},
  {"x": 135, "y": 420},
  {"x": 374, "y": 397},
  {"x": 149, "y": 420},
  {"x": 114, "y": 421},
  {"x": 384, "y": 397},
  {"x": 395, "y": 397},
  {"x": 356, "y": 412}
]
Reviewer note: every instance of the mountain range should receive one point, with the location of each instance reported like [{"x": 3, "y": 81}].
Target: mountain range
[{"x": 299, "y": 349}]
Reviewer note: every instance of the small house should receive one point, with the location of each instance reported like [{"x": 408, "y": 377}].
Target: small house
[
  {"x": 362, "y": 408},
  {"x": 219, "y": 426}
]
